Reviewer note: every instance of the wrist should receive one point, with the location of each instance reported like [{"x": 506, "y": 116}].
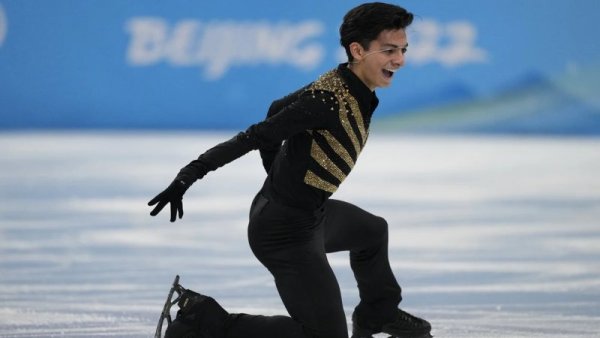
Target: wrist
[{"x": 181, "y": 184}]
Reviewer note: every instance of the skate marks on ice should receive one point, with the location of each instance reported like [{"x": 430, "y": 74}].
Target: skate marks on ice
[{"x": 489, "y": 237}]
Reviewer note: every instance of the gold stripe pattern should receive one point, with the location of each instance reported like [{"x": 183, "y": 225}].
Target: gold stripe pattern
[
  {"x": 313, "y": 180},
  {"x": 337, "y": 147},
  {"x": 348, "y": 128},
  {"x": 348, "y": 109},
  {"x": 355, "y": 111},
  {"x": 324, "y": 161}
]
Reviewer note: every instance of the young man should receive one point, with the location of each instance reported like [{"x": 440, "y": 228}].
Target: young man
[{"x": 309, "y": 143}]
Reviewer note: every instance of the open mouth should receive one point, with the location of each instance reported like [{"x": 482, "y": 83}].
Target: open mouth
[{"x": 388, "y": 73}]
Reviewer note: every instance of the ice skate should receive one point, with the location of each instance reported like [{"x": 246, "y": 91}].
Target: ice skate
[
  {"x": 405, "y": 326},
  {"x": 199, "y": 316},
  {"x": 166, "y": 312}
]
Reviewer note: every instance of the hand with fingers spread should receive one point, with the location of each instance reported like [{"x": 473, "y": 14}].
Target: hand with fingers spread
[{"x": 173, "y": 195}]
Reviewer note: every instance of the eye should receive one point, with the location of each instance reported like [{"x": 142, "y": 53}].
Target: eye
[{"x": 404, "y": 50}]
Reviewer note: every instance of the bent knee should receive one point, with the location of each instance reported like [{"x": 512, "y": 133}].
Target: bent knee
[
  {"x": 375, "y": 232},
  {"x": 380, "y": 228}
]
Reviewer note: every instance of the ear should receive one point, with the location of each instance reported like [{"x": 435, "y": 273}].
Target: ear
[{"x": 357, "y": 51}]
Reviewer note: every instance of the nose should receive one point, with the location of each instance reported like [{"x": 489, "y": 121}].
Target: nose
[{"x": 398, "y": 59}]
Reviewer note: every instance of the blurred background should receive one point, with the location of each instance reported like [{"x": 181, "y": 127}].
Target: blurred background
[
  {"x": 524, "y": 67},
  {"x": 483, "y": 157}
]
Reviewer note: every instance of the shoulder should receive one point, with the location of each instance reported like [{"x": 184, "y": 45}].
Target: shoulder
[
  {"x": 329, "y": 86},
  {"x": 280, "y": 103},
  {"x": 331, "y": 81}
]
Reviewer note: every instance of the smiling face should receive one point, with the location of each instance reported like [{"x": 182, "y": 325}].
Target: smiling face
[{"x": 376, "y": 65}]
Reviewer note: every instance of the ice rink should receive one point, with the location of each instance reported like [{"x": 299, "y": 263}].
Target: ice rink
[{"x": 490, "y": 236}]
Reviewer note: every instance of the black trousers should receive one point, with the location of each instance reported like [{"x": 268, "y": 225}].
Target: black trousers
[{"x": 292, "y": 244}]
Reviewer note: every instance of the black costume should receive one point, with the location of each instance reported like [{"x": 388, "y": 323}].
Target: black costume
[{"x": 309, "y": 143}]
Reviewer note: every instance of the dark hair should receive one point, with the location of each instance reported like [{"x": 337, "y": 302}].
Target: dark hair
[{"x": 365, "y": 22}]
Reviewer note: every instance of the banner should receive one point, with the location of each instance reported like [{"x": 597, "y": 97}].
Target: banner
[{"x": 472, "y": 66}]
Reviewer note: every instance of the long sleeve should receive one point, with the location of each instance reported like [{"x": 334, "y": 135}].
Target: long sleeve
[
  {"x": 307, "y": 112},
  {"x": 268, "y": 152}
]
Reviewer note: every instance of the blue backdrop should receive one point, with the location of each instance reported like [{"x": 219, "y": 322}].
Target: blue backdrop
[{"x": 506, "y": 66}]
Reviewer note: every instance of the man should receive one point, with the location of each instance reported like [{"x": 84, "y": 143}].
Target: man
[{"x": 309, "y": 143}]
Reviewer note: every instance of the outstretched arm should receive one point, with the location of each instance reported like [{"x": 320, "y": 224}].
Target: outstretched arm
[{"x": 306, "y": 113}]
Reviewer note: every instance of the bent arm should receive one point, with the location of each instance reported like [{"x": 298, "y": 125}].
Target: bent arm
[
  {"x": 305, "y": 113},
  {"x": 268, "y": 152}
]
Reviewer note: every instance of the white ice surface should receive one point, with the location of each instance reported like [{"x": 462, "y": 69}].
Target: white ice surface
[{"x": 490, "y": 237}]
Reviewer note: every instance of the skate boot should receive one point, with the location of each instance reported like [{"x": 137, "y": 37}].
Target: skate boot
[
  {"x": 199, "y": 316},
  {"x": 405, "y": 326}
]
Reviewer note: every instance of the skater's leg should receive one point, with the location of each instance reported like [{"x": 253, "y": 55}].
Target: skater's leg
[
  {"x": 253, "y": 326},
  {"x": 290, "y": 243},
  {"x": 348, "y": 227},
  {"x": 310, "y": 293},
  {"x": 201, "y": 315}
]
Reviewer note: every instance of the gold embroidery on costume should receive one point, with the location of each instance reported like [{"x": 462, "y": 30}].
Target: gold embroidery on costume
[
  {"x": 348, "y": 128},
  {"x": 348, "y": 112},
  {"x": 359, "y": 119},
  {"x": 337, "y": 147},
  {"x": 324, "y": 161},
  {"x": 313, "y": 180}
]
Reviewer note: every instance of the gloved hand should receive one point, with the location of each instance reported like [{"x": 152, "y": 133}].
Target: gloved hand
[{"x": 173, "y": 195}]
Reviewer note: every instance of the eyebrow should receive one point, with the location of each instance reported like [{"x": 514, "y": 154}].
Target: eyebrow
[{"x": 394, "y": 46}]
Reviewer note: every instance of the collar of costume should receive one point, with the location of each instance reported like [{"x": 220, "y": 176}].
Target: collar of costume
[{"x": 365, "y": 97}]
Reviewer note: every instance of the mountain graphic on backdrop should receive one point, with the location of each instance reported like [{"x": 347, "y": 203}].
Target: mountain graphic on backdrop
[
  {"x": 445, "y": 94},
  {"x": 531, "y": 105}
]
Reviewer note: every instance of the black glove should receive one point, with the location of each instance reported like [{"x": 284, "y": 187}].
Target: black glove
[{"x": 174, "y": 195}]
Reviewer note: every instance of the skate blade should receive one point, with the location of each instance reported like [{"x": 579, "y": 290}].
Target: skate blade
[{"x": 166, "y": 312}]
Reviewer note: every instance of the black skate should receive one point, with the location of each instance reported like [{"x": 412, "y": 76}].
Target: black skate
[
  {"x": 405, "y": 326},
  {"x": 198, "y": 316},
  {"x": 166, "y": 312}
]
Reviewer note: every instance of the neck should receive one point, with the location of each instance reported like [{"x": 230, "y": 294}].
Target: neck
[{"x": 354, "y": 68}]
